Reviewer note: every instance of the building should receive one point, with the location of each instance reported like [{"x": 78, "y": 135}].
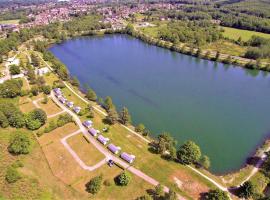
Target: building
[
  {"x": 62, "y": 100},
  {"x": 114, "y": 149},
  {"x": 70, "y": 104},
  {"x": 57, "y": 91},
  {"x": 17, "y": 76},
  {"x": 42, "y": 71},
  {"x": 103, "y": 140},
  {"x": 129, "y": 158},
  {"x": 77, "y": 109},
  {"x": 87, "y": 123},
  {"x": 93, "y": 132}
]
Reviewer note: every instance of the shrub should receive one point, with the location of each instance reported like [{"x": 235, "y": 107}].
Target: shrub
[
  {"x": 16, "y": 120},
  {"x": 14, "y": 69},
  {"x": 64, "y": 119},
  {"x": 3, "y": 120},
  {"x": 94, "y": 185},
  {"x": 17, "y": 164},
  {"x": 34, "y": 90},
  {"x": 20, "y": 143},
  {"x": 139, "y": 128},
  {"x": 46, "y": 89},
  {"x": 12, "y": 175},
  {"x": 91, "y": 95},
  {"x": 123, "y": 179}
]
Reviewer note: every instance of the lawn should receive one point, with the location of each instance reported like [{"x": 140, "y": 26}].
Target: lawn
[
  {"x": 85, "y": 150},
  {"x": 50, "y": 108},
  {"x": 226, "y": 47},
  {"x": 37, "y": 180},
  {"x": 233, "y": 33},
  {"x": 14, "y": 21},
  {"x": 26, "y": 105}
]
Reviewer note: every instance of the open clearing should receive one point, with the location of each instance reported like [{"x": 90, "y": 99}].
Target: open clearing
[
  {"x": 37, "y": 180},
  {"x": 50, "y": 108},
  {"x": 85, "y": 150},
  {"x": 14, "y": 21},
  {"x": 25, "y": 104},
  {"x": 233, "y": 33}
]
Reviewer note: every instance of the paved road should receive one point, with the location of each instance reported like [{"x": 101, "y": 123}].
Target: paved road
[{"x": 105, "y": 152}]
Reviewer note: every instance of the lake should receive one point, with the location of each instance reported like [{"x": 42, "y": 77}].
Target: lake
[{"x": 225, "y": 109}]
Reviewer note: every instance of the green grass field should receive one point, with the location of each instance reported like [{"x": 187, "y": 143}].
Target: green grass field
[
  {"x": 233, "y": 33},
  {"x": 14, "y": 21}
]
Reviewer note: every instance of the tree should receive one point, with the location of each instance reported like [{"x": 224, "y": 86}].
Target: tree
[
  {"x": 124, "y": 178},
  {"x": 189, "y": 153},
  {"x": 140, "y": 128},
  {"x": 3, "y": 120},
  {"x": 20, "y": 143},
  {"x": 159, "y": 191},
  {"x": 124, "y": 116},
  {"x": 16, "y": 120},
  {"x": 171, "y": 195},
  {"x": 75, "y": 82},
  {"x": 108, "y": 103},
  {"x": 31, "y": 76},
  {"x": 35, "y": 60},
  {"x": 34, "y": 90},
  {"x": 217, "y": 56},
  {"x": 145, "y": 197},
  {"x": 45, "y": 99},
  {"x": 91, "y": 95},
  {"x": 39, "y": 114},
  {"x": 12, "y": 175},
  {"x": 216, "y": 195},
  {"x": 165, "y": 143},
  {"x": 14, "y": 69},
  {"x": 205, "y": 162},
  {"x": 40, "y": 81},
  {"x": 112, "y": 116},
  {"x": 246, "y": 190},
  {"x": 94, "y": 185},
  {"x": 10, "y": 88}
]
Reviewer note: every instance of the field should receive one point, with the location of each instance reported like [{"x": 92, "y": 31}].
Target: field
[
  {"x": 234, "y": 34},
  {"x": 85, "y": 150},
  {"x": 50, "y": 108},
  {"x": 37, "y": 181},
  {"x": 15, "y": 21},
  {"x": 189, "y": 183}
]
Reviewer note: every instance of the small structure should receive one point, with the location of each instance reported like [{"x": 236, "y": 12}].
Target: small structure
[
  {"x": 57, "y": 91},
  {"x": 62, "y": 100},
  {"x": 77, "y": 109},
  {"x": 42, "y": 71},
  {"x": 103, "y": 140},
  {"x": 114, "y": 149},
  {"x": 93, "y": 132},
  {"x": 87, "y": 123},
  {"x": 129, "y": 158},
  {"x": 17, "y": 76},
  {"x": 70, "y": 104}
]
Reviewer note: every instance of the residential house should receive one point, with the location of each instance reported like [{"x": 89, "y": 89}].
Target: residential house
[
  {"x": 114, "y": 149},
  {"x": 103, "y": 140},
  {"x": 127, "y": 157}
]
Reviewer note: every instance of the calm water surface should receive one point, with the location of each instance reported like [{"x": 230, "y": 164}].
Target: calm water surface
[{"x": 224, "y": 109}]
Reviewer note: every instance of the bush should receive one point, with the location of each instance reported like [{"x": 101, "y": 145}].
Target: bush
[
  {"x": 14, "y": 69},
  {"x": 16, "y": 120},
  {"x": 64, "y": 119},
  {"x": 94, "y": 185},
  {"x": 20, "y": 143},
  {"x": 34, "y": 90},
  {"x": 12, "y": 175},
  {"x": 139, "y": 128},
  {"x": 17, "y": 164},
  {"x": 46, "y": 89},
  {"x": 123, "y": 179},
  {"x": 3, "y": 120},
  {"x": 91, "y": 95}
]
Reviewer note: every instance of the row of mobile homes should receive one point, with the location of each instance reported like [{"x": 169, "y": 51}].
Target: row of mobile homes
[
  {"x": 57, "y": 91},
  {"x": 70, "y": 104},
  {"x": 62, "y": 99},
  {"x": 103, "y": 140}
]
